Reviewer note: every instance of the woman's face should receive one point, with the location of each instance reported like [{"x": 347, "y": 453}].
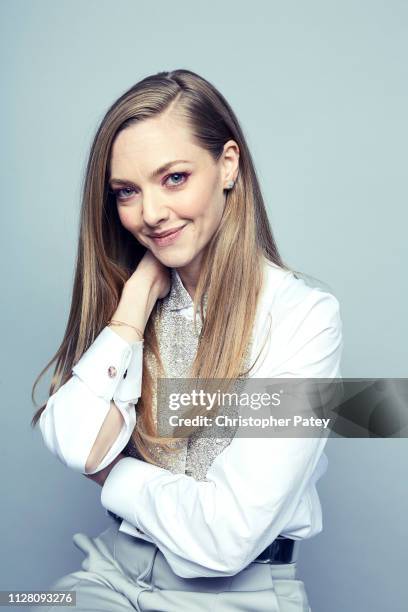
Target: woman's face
[{"x": 187, "y": 194}]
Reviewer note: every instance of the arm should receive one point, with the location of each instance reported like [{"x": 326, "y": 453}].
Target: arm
[
  {"x": 102, "y": 475},
  {"x": 90, "y": 418},
  {"x": 108, "y": 433},
  {"x": 82, "y": 408},
  {"x": 254, "y": 486}
]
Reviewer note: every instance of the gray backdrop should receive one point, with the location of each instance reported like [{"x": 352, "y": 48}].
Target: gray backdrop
[{"x": 321, "y": 90}]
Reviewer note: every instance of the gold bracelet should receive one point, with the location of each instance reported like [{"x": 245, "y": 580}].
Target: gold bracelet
[{"x": 116, "y": 322}]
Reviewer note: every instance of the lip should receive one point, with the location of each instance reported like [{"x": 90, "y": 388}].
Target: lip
[
  {"x": 169, "y": 237},
  {"x": 168, "y": 233}
]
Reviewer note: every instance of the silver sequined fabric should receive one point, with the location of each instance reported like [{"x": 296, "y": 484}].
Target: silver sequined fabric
[{"x": 178, "y": 341}]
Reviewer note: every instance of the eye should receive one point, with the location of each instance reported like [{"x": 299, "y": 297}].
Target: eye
[
  {"x": 183, "y": 175},
  {"x": 122, "y": 194}
]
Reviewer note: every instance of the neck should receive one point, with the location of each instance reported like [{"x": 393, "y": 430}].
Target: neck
[
  {"x": 189, "y": 278},
  {"x": 189, "y": 284}
]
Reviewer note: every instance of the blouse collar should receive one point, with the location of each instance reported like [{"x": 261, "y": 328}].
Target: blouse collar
[{"x": 178, "y": 296}]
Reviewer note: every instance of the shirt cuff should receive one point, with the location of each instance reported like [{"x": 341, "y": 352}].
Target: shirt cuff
[
  {"x": 130, "y": 387},
  {"x": 104, "y": 364}
]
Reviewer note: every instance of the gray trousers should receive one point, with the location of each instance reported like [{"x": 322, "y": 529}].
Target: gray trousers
[{"x": 121, "y": 573}]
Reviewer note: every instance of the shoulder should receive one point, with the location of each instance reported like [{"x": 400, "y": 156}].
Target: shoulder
[
  {"x": 286, "y": 296},
  {"x": 302, "y": 323}
]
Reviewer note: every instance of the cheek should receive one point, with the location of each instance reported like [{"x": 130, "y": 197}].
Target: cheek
[
  {"x": 205, "y": 204},
  {"x": 129, "y": 219}
]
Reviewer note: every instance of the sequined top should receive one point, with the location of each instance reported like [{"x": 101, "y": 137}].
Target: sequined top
[{"x": 178, "y": 341}]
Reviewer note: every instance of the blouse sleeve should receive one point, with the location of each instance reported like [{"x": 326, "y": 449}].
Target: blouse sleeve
[
  {"x": 110, "y": 369},
  {"x": 217, "y": 527}
]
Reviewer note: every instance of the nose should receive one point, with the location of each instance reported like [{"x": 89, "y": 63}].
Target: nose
[{"x": 154, "y": 210}]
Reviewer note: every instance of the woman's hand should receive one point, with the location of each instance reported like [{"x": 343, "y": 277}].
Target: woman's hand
[
  {"x": 101, "y": 476},
  {"x": 149, "y": 282},
  {"x": 151, "y": 272}
]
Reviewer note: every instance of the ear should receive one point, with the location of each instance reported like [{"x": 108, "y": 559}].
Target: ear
[{"x": 230, "y": 163}]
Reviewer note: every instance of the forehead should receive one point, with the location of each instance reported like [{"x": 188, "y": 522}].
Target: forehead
[{"x": 149, "y": 143}]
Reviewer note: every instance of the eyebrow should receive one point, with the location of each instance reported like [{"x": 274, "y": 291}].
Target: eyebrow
[{"x": 154, "y": 174}]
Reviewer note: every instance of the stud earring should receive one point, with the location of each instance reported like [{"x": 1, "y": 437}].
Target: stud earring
[{"x": 230, "y": 185}]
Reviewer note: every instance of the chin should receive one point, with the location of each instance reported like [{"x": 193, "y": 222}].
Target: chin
[{"x": 175, "y": 259}]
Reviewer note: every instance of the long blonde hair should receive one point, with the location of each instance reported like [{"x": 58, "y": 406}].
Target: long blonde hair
[{"x": 232, "y": 267}]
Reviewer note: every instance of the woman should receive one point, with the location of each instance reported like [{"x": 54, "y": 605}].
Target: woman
[{"x": 199, "y": 522}]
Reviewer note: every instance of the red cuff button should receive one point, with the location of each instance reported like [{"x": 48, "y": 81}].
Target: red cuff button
[{"x": 112, "y": 371}]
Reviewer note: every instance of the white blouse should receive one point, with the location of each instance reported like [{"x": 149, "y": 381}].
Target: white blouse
[{"x": 256, "y": 488}]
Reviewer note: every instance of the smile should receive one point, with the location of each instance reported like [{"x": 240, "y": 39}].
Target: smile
[{"x": 166, "y": 240}]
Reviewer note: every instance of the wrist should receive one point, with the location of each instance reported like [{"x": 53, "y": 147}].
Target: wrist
[
  {"x": 136, "y": 304},
  {"x": 130, "y": 333}
]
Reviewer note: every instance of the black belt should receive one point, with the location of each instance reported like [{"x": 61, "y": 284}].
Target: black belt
[{"x": 281, "y": 550}]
